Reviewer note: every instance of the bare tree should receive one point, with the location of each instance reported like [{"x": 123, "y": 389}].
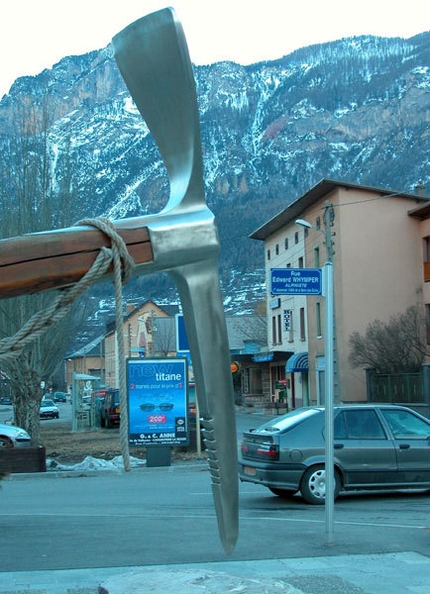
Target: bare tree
[
  {"x": 251, "y": 328},
  {"x": 397, "y": 346},
  {"x": 164, "y": 336},
  {"x": 29, "y": 203}
]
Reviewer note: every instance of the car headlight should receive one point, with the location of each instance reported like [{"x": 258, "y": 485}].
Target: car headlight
[{"x": 22, "y": 434}]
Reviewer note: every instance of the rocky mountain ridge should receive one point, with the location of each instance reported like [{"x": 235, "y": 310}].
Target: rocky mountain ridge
[{"x": 357, "y": 109}]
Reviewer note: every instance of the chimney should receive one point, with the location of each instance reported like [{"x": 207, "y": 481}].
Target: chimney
[
  {"x": 129, "y": 307},
  {"x": 421, "y": 190}
]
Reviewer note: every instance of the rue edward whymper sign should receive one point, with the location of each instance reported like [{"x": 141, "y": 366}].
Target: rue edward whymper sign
[{"x": 296, "y": 281}]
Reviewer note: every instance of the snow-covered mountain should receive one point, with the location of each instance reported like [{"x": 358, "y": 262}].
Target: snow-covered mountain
[{"x": 357, "y": 109}]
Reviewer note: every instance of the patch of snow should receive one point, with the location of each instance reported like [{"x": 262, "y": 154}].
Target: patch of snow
[{"x": 90, "y": 463}]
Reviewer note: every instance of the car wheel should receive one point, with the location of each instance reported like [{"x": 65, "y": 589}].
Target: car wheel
[
  {"x": 5, "y": 442},
  {"x": 312, "y": 485},
  {"x": 285, "y": 493},
  {"x": 108, "y": 424}
]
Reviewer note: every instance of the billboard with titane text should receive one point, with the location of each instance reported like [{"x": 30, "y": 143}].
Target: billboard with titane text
[{"x": 158, "y": 401}]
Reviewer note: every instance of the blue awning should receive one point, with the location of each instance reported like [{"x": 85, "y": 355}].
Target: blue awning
[{"x": 297, "y": 362}]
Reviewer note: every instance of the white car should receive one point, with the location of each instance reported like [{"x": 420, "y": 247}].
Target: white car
[
  {"x": 48, "y": 410},
  {"x": 13, "y": 437}
]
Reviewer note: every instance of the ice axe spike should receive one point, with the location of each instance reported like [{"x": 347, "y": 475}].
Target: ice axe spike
[{"x": 182, "y": 239}]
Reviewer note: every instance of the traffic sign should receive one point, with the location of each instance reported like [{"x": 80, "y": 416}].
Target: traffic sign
[
  {"x": 296, "y": 281},
  {"x": 182, "y": 345}
]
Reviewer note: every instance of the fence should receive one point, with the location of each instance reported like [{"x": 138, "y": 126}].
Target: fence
[{"x": 410, "y": 389}]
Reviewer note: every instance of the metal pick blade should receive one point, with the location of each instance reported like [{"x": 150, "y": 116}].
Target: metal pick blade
[{"x": 153, "y": 58}]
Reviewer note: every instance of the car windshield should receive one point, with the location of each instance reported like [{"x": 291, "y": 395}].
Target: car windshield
[
  {"x": 47, "y": 403},
  {"x": 289, "y": 420}
]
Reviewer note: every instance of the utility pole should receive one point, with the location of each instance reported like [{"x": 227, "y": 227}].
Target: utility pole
[
  {"x": 329, "y": 216},
  {"x": 331, "y": 383}
]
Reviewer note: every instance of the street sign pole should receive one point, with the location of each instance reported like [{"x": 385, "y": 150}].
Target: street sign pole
[
  {"x": 329, "y": 392},
  {"x": 317, "y": 281}
]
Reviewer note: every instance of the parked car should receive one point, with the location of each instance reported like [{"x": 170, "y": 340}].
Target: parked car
[
  {"x": 375, "y": 447},
  {"x": 59, "y": 397},
  {"x": 48, "y": 410},
  {"x": 13, "y": 437},
  {"x": 110, "y": 412}
]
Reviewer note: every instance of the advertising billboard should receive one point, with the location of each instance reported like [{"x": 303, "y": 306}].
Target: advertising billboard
[{"x": 158, "y": 401}]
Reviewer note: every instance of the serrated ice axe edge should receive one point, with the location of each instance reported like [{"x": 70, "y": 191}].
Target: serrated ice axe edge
[{"x": 182, "y": 239}]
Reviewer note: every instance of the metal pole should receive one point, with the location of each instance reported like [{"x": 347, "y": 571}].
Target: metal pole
[
  {"x": 74, "y": 396},
  {"x": 329, "y": 392}
]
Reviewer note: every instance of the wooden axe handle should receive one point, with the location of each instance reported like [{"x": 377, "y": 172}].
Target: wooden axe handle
[{"x": 57, "y": 259}]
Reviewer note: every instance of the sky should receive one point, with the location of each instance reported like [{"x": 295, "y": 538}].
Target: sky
[{"x": 36, "y": 34}]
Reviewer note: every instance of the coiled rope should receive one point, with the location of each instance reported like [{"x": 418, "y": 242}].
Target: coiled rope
[{"x": 117, "y": 256}]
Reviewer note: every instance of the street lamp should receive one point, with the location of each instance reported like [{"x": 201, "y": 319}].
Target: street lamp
[
  {"x": 304, "y": 223},
  {"x": 328, "y": 292}
]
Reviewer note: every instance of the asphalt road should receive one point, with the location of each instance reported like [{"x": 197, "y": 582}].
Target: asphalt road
[
  {"x": 165, "y": 515},
  {"x": 162, "y": 515},
  {"x": 244, "y": 420},
  {"x": 65, "y": 408}
]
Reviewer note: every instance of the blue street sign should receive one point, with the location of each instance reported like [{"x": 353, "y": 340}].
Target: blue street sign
[
  {"x": 181, "y": 335},
  {"x": 296, "y": 281}
]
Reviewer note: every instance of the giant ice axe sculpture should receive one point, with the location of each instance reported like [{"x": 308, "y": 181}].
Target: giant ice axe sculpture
[{"x": 182, "y": 239}]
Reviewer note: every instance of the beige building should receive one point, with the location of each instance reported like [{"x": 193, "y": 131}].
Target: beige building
[
  {"x": 99, "y": 357},
  {"x": 89, "y": 360},
  {"x": 381, "y": 256},
  {"x": 139, "y": 336}
]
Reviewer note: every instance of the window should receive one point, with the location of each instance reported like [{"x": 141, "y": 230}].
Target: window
[
  {"x": 277, "y": 249},
  {"x": 317, "y": 257},
  {"x": 426, "y": 258},
  {"x": 428, "y": 322},
  {"x": 426, "y": 248},
  {"x": 296, "y": 237},
  {"x": 302, "y": 324},
  {"x": 318, "y": 223},
  {"x": 318, "y": 319},
  {"x": 279, "y": 329},
  {"x": 253, "y": 381},
  {"x": 286, "y": 243},
  {"x": 405, "y": 425},
  {"x": 276, "y": 329},
  {"x": 358, "y": 424},
  {"x": 300, "y": 262},
  {"x": 268, "y": 254}
]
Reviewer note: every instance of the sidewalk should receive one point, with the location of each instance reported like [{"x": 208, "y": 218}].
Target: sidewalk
[{"x": 393, "y": 573}]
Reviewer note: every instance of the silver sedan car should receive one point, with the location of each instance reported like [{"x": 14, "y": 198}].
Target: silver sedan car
[
  {"x": 375, "y": 447},
  {"x": 13, "y": 437}
]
